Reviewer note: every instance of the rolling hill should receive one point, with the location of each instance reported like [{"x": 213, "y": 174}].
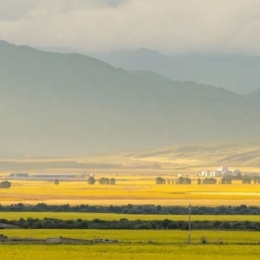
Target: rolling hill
[
  {"x": 239, "y": 153},
  {"x": 63, "y": 104}
]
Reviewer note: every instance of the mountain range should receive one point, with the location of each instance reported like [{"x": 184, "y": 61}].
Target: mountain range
[
  {"x": 234, "y": 72},
  {"x": 64, "y": 104}
]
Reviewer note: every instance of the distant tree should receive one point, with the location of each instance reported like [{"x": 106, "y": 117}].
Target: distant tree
[
  {"x": 238, "y": 176},
  {"x": 160, "y": 180},
  {"x": 5, "y": 185},
  {"x": 199, "y": 181},
  {"x": 246, "y": 180},
  {"x": 182, "y": 180},
  {"x": 112, "y": 181},
  {"x": 91, "y": 180},
  {"x": 226, "y": 180},
  {"x": 209, "y": 181},
  {"x": 56, "y": 182},
  {"x": 103, "y": 181},
  {"x": 256, "y": 180}
]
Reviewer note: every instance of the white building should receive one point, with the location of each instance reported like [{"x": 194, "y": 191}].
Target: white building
[
  {"x": 222, "y": 171},
  {"x": 206, "y": 173}
]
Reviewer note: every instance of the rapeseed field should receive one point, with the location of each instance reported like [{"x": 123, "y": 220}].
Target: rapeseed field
[
  {"x": 134, "y": 190},
  {"x": 162, "y": 237},
  {"x": 127, "y": 252},
  {"x": 137, "y": 245}
]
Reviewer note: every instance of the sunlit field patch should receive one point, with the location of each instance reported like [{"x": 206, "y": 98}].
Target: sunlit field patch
[{"x": 134, "y": 190}]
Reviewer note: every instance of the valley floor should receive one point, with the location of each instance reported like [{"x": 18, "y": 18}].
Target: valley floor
[{"x": 136, "y": 190}]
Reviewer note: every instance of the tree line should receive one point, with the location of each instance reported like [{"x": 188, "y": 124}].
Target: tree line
[
  {"x": 134, "y": 209},
  {"x": 102, "y": 181},
  {"x": 212, "y": 180},
  {"x": 180, "y": 180},
  {"x": 51, "y": 223}
]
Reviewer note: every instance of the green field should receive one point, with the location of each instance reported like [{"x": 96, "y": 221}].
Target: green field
[
  {"x": 113, "y": 216},
  {"x": 137, "y": 245}
]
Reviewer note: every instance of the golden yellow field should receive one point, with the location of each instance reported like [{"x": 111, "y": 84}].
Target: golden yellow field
[
  {"x": 134, "y": 190},
  {"x": 135, "y": 174},
  {"x": 138, "y": 245},
  {"x": 127, "y": 252}
]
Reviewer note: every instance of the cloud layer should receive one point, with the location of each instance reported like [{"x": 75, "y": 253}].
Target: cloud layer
[{"x": 166, "y": 25}]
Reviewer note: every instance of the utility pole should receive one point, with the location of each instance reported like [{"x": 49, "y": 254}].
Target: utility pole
[{"x": 189, "y": 231}]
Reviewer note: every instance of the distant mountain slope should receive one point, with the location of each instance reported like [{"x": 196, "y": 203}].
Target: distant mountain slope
[
  {"x": 231, "y": 153},
  {"x": 237, "y": 73},
  {"x": 54, "y": 103}
]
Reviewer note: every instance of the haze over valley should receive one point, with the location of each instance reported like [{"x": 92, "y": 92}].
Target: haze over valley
[
  {"x": 129, "y": 129},
  {"x": 67, "y": 104}
]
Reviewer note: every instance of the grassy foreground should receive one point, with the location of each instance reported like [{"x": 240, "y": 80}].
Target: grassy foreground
[
  {"x": 136, "y": 245},
  {"x": 126, "y": 252},
  {"x": 114, "y": 216}
]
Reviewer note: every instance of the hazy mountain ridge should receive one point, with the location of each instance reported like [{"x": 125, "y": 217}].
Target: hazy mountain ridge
[
  {"x": 233, "y": 72},
  {"x": 54, "y": 103}
]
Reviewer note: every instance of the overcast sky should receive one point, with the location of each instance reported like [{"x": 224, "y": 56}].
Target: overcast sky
[{"x": 170, "y": 26}]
